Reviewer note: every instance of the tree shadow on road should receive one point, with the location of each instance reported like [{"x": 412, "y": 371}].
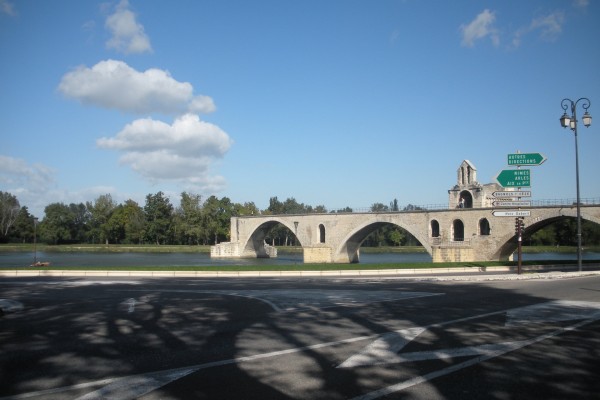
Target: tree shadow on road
[{"x": 79, "y": 332}]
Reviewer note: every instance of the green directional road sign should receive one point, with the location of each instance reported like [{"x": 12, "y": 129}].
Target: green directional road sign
[
  {"x": 526, "y": 159},
  {"x": 514, "y": 178}
]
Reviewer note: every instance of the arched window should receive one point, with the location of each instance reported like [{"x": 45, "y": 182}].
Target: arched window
[
  {"x": 458, "y": 231},
  {"x": 321, "y": 233},
  {"x": 435, "y": 228},
  {"x": 484, "y": 226}
]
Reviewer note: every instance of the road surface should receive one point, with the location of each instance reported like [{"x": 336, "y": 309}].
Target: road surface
[{"x": 299, "y": 338}]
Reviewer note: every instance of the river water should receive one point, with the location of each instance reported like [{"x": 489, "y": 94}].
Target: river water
[{"x": 95, "y": 259}]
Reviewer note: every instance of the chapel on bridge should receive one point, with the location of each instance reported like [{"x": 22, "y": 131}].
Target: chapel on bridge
[{"x": 468, "y": 192}]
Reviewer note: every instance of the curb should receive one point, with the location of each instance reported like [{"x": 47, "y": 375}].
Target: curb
[{"x": 421, "y": 274}]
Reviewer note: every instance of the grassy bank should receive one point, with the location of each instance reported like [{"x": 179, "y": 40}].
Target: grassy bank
[
  {"x": 312, "y": 267},
  {"x": 103, "y": 248},
  {"x": 151, "y": 248}
]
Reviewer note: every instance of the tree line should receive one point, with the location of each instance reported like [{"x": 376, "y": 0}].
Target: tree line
[{"x": 197, "y": 221}]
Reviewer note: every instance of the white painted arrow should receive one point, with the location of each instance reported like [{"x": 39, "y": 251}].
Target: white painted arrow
[{"x": 383, "y": 349}]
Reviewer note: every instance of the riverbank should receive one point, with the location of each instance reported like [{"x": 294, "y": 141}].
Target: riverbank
[{"x": 205, "y": 249}]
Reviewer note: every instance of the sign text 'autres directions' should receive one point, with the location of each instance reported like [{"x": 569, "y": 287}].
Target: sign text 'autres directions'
[{"x": 526, "y": 159}]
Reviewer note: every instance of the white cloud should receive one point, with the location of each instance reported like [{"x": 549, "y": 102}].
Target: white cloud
[
  {"x": 481, "y": 27},
  {"x": 548, "y": 26},
  {"x": 182, "y": 152},
  {"x": 8, "y": 8},
  {"x": 29, "y": 183},
  {"x": 114, "y": 84},
  {"x": 128, "y": 35},
  {"x": 16, "y": 172}
]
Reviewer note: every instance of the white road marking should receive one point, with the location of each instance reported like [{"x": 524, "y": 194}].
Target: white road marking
[
  {"x": 131, "y": 387},
  {"x": 159, "y": 376},
  {"x": 281, "y": 300},
  {"x": 131, "y": 303},
  {"x": 383, "y": 349},
  {"x": 8, "y": 305},
  {"x": 473, "y": 361},
  {"x": 553, "y": 311}
]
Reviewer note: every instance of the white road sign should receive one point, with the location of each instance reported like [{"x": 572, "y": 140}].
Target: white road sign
[
  {"x": 525, "y": 213},
  {"x": 512, "y": 203},
  {"x": 512, "y": 193}
]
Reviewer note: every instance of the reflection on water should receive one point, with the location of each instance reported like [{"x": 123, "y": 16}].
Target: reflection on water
[{"x": 84, "y": 259}]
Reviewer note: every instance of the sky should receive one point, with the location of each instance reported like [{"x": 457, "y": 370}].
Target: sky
[{"x": 332, "y": 102}]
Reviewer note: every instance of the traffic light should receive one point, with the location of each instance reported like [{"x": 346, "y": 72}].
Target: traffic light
[{"x": 519, "y": 225}]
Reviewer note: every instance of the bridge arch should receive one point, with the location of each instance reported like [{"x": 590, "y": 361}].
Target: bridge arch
[
  {"x": 256, "y": 241},
  {"x": 350, "y": 245},
  {"x": 510, "y": 245}
]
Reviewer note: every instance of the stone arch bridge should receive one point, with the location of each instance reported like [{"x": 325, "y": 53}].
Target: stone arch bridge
[{"x": 467, "y": 234}]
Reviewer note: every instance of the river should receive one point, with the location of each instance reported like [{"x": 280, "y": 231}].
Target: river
[{"x": 95, "y": 259}]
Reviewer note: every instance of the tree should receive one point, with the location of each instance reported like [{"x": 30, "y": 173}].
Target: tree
[
  {"x": 56, "y": 226},
  {"x": 80, "y": 222},
  {"x": 245, "y": 209},
  {"x": 343, "y": 210},
  {"x": 22, "y": 229},
  {"x": 275, "y": 206},
  {"x": 379, "y": 207},
  {"x": 188, "y": 219},
  {"x": 101, "y": 211},
  {"x": 9, "y": 211},
  {"x": 128, "y": 223},
  {"x": 320, "y": 209},
  {"x": 159, "y": 217},
  {"x": 216, "y": 216}
]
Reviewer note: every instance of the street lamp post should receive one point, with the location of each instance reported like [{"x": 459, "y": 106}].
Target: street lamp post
[
  {"x": 571, "y": 122},
  {"x": 35, "y": 221}
]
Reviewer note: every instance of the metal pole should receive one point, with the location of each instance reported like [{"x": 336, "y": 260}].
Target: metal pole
[
  {"x": 34, "y": 241},
  {"x": 519, "y": 244},
  {"x": 579, "y": 262},
  {"x": 586, "y": 104}
]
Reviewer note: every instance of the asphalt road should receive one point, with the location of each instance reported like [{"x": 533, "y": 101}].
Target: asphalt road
[{"x": 299, "y": 338}]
